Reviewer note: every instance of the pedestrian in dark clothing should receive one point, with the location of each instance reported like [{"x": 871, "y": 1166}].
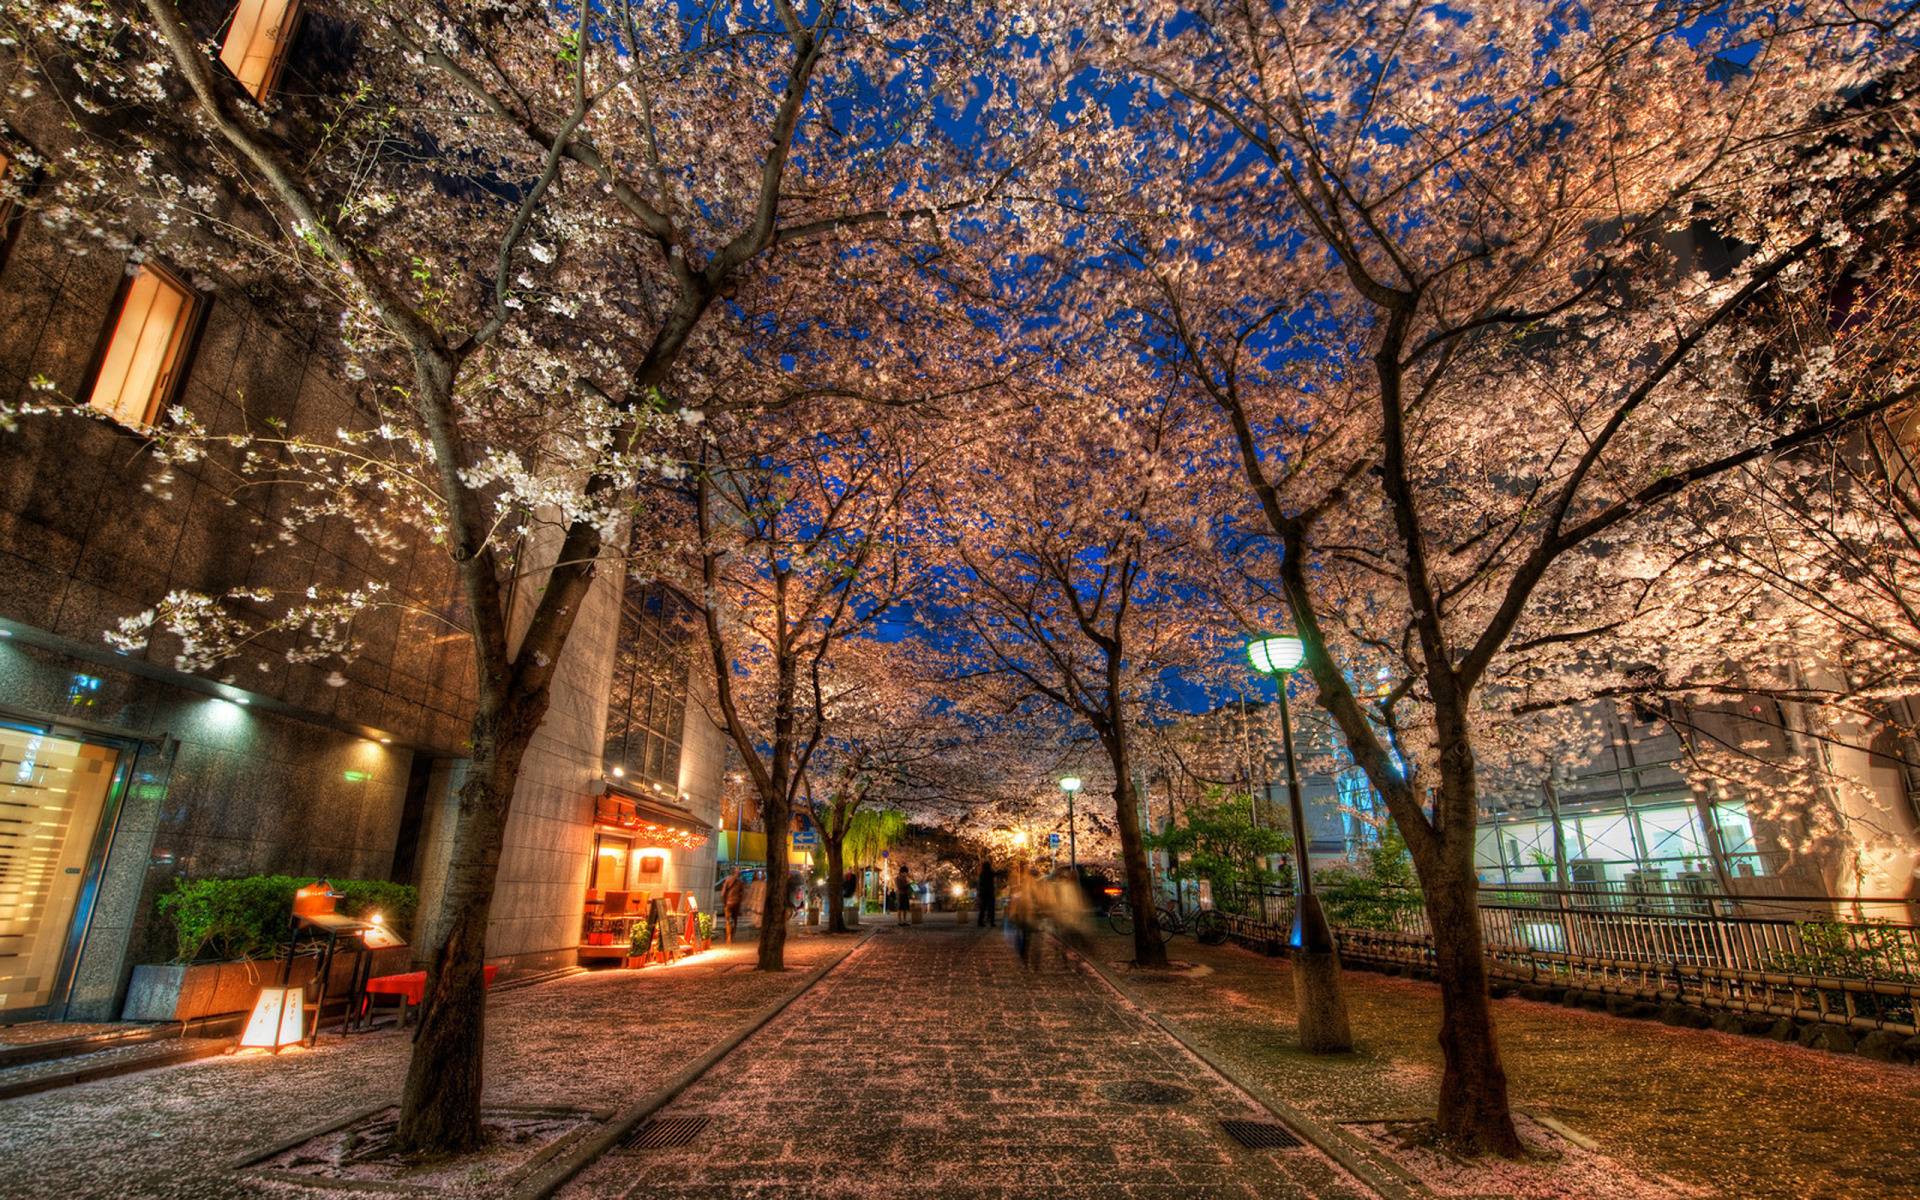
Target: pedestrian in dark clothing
[
  {"x": 902, "y": 895},
  {"x": 732, "y": 894},
  {"x": 985, "y": 889},
  {"x": 849, "y": 886}
]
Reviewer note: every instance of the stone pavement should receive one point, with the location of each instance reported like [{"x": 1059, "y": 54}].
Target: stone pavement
[
  {"x": 930, "y": 1063},
  {"x": 597, "y": 1040}
]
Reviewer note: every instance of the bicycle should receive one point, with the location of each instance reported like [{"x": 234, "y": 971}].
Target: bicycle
[
  {"x": 1120, "y": 918},
  {"x": 1208, "y": 927}
]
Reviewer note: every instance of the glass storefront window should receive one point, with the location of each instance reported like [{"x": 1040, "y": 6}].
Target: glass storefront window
[{"x": 53, "y": 795}]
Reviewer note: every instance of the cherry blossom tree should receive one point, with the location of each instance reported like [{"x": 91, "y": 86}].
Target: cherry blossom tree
[
  {"x": 890, "y": 742},
  {"x": 1481, "y": 320},
  {"x": 1073, "y": 577},
  {"x": 802, "y": 542}
]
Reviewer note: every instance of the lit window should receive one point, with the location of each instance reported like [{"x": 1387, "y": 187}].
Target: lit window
[
  {"x": 144, "y": 351},
  {"x": 256, "y": 37}
]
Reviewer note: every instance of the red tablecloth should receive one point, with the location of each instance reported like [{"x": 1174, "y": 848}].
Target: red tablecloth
[{"x": 412, "y": 985}]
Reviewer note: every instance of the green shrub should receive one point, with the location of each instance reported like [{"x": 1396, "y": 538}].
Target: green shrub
[
  {"x": 1380, "y": 895},
  {"x": 224, "y": 919}
]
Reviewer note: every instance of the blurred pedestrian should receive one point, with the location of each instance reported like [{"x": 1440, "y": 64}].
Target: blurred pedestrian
[
  {"x": 732, "y": 893},
  {"x": 984, "y": 887},
  {"x": 1068, "y": 911},
  {"x": 1025, "y": 913}
]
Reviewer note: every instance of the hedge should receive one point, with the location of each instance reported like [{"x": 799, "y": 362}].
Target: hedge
[{"x": 228, "y": 919}]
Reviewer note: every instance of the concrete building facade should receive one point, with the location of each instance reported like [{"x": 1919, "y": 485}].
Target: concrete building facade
[{"x": 121, "y": 774}]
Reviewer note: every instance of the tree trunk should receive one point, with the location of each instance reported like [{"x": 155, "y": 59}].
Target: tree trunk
[
  {"x": 1473, "y": 1109},
  {"x": 836, "y": 867},
  {"x": 1148, "y": 949},
  {"x": 773, "y": 906},
  {"x": 440, "y": 1105}
]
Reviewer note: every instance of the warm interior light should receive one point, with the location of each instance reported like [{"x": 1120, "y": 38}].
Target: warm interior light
[
  {"x": 1276, "y": 655},
  {"x": 137, "y": 368},
  {"x": 255, "y": 37},
  {"x": 619, "y": 772},
  {"x": 279, "y": 1019}
]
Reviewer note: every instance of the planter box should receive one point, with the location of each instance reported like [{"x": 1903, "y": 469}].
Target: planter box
[
  {"x": 190, "y": 991},
  {"x": 919, "y": 914},
  {"x": 813, "y": 916}
]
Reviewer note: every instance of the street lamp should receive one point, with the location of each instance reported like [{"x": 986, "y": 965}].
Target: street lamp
[
  {"x": 1070, "y": 784},
  {"x": 1316, "y": 964}
]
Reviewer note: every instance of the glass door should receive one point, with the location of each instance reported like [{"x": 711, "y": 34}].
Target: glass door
[{"x": 54, "y": 792}]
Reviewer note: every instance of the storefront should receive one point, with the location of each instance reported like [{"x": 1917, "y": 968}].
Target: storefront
[
  {"x": 59, "y": 797},
  {"x": 650, "y": 855}
]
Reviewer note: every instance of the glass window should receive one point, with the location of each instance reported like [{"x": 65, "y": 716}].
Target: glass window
[
  {"x": 256, "y": 36},
  {"x": 145, "y": 349},
  {"x": 1672, "y": 837},
  {"x": 1608, "y": 837},
  {"x": 648, "y": 699},
  {"x": 1736, "y": 840}
]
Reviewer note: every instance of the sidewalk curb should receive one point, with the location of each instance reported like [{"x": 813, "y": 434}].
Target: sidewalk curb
[
  {"x": 127, "y": 1066},
  {"x": 1386, "y": 1179},
  {"x": 590, "y": 1151}
]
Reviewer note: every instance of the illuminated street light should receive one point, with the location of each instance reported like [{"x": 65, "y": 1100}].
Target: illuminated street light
[
  {"x": 1322, "y": 1008},
  {"x": 1276, "y": 655}
]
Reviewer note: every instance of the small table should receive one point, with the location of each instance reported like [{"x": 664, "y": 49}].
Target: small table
[{"x": 411, "y": 987}]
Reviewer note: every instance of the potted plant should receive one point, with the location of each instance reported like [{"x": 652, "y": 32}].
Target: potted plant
[
  {"x": 641, "y": 944},
  {"x": 704, "y": 922}
]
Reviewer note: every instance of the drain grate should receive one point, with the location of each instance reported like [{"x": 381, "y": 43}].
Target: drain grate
[
  {"x": 1146, "y": 1091},
  {"x": 1261, "y": 1135},
  {"x": 660, "y": 1133}
]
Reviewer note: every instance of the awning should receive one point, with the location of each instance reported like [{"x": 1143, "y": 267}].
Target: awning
[{"x": 647, "y": 816}]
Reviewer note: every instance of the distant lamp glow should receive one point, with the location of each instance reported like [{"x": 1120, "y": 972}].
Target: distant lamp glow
[
  {"x": 619, "y": 772},
  {"x": 1070, "y": 784},
  {"x": 279, "y": 1019},
  {"x": 1020, "y": 837},
  {"x": 959, "y": 889},
  {"x": 1276, "y": 655}
]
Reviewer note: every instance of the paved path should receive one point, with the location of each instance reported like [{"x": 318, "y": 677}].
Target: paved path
[{"x": 930, "y": 1063}]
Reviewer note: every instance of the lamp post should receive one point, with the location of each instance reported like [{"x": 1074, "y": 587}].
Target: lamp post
[
  {"x": 1318, "y": 999},
  {"x": 1071, "y": 786}
]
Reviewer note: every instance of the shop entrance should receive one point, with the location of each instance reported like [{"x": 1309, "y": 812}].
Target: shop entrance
[{"x": 55, "y": 795}]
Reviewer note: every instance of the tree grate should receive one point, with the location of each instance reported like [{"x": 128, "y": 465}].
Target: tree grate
[
  {"x": 1261, "y": 1135},
  {"x": 660, "y": 1133},
  {"x": 1146, "y": 1091}
]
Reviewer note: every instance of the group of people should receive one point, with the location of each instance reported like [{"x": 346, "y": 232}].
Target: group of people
[{"x": 1038, "y": 903}]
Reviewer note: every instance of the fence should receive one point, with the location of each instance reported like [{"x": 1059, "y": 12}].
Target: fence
[{"x": 1858, "y": 974}]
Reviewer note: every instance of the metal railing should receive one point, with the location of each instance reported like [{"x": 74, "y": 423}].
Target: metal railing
[{"x": 1862, "y": 974}]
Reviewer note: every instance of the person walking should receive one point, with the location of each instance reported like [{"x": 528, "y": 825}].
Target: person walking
[
  {"x": 902, "y": 895},
  {"x": 984, "y": 887},
  {"x": 732, "y": 893},
  {"x": 1023, "y": 913}
]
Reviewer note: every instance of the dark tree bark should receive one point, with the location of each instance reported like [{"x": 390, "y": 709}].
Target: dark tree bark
[
  {"x": 440, "y": 1104},
  {"x": 1148, "y": 950},
  {"x": 836, "y": 867}
]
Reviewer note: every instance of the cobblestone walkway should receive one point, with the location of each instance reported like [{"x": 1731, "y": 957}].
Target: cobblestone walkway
[{"x": 931, "y": 1064}]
